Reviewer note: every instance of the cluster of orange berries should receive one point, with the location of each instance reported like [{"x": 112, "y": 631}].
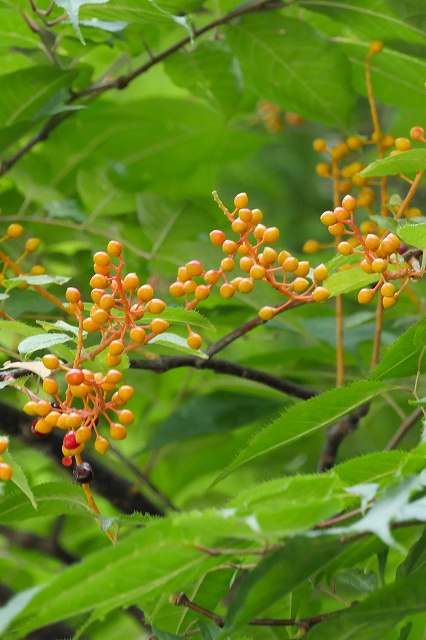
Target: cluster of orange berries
[
  {"x": 252, "y": 252},
  {"x": 13, "y": 232},
  {"x": 380, "y": 253},
  {"x": 5, "y": 469}
]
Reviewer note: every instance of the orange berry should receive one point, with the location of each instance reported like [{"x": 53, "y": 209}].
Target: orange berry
[
  {"x": 379, "y": 265},
  {"x": 73, "y": 295},
  {"x": 246, "y": 285},
  {"x": 290, "y": 264},
  {"x": 319, "y": 145},
  {"x": 344, "y": 248},
  {"x": 365, "y": 296},
  {"x": 98, "y": 281},
  {"x": 266, "y": 313},
  {"x": 412, "y": 212},
  {"x": 183, "y": 275},
  {"x": 15, "y": 230},
  {"x": 303, "y": 268},
  {"x": 239, "y": 226},
  {"x": 146, "y": 292},
  {"x": 376, "y": 46},
  {"x": 116, "y": 347},
  {"x": 61, "y": 422},
  {"x": 202, "y": 292},
  {"x": 176, "y": 289},
  {"x": 158, "y": 325},
  {"x": 130, "y": 281},
  {"x": 6, "y": 471},
  {"x": 320, "y": 273},
  {"x": 74, "y": 420},
  {"x": 372, "y": 241},
  {"x": 390, "y": 244},
  {"x": 243, "y": 249},
  {"x": 117, "y": 431},
  {"x": 341, "y": 214},
  {"x": 257, "y": 272},
  {"x": 245, "y": 215},
  {"x": 402, "y": 144},
  {"x": 83, "y": 434},
  {"x": 43, "y": 427},
  {"x": 126, "y": 416},
  {"x": 229, "y": 246},
  {"x": 269, "y": 255},
  {"x": 79, "y": 391},
  {"x": 37, "y": 270},
  {"x": 194, "y": 268},
  {"x": 417, "y": 133},
  {"x": 389, "y": 302},
  {"x": 112, "y": 361},
  {"x": 227, "y": 290},
  {"x": 194, "y": 341},
  {"x": 101, "y": 258},
  {"x": 354, "y": 142},
  {"x": 256, "y": 216},
  {"x": 43, "y": 408},
  {"x": 101, "y": 445},
  {"x": 328, "y": 218},
  {"x": 323, "y": 170},
  {"x": 137, "y": 334},
  {"x": 217, "y": 237},
  {"x": 96, "y": 295},
  {"x": 156, "y": 305},
  {"x": 387, "y": 290},
  {"x": 50, "y": 361},
  {"x": 114, "y": 248},
  {"x": 336, "y": 229},
  {"x": 258, "y": 232},
  {"x": 212, "y": 276},
  {"x": 235, "y": 282},
  {"x": 271, "y": 234},
  {"x": 300, "y": 285},
  {"x": 100, "y": 316},
  {"x": 3, "y": 444},
  {"x": 227, "y": 264},
  {"x": 52, "y": 418},
  {"x": 50, "y": 386},
  {"x": 107, "y": 301},
  {"x": 241, "y": 200},
  {"x": 113, "y": 376},
  {"x": 189, "y": 286},
  {"x": 125, "y": 392},
  {"x": 311, "y": 246},
  {"x": 30, "y": 408},
  {"x": 366, "y": 266},
  {"x": 246, "y": 264},
  {"x": 320, "y": 294},
  {"x": 89, "y": 325},
  {"x": 32, "y": 244}
]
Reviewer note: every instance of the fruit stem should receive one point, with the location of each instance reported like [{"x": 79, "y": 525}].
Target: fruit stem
[{"x": 91, "y": 502}]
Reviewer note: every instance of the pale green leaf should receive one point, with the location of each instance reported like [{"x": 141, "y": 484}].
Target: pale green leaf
[
  {"x": 53, "y": 498},
  {"x": 19, "y": 478},
  {"x": 179, "y": 315},
  {"x": 414, "y": 234},
  {"x": 346, "y": 281},
  {"x": 177, "y": 343},
  {"x": 405, "y": 162},
  {"x": 401, "y": 358},
  {"x": 72, "y": 8},
  {"x": 41, "y": 341},
  {"x": 39, "y": 281}
]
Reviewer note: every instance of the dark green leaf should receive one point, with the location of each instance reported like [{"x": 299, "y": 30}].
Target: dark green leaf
[
  {"x": 41, "y": 341},
  {"x": 401, "y": 358},
  {"x": 414, "y": 234}
]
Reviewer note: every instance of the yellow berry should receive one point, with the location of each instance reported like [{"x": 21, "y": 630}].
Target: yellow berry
[
  {"x": 328, "y": 218},
  {"x": 366, "y": 266},
  {"x": 189, "y": 286},
  {"x": 368, "y": 226},
  {"x": 79, "y": 391},
  {"x": 114, "y": 248},
  {"x": 116, "y": 347},
  {"x": 349, "y": 203},
  {"x": 212, "y": 276},
  {"x": 32, "y": 244},
  {"x": 43, "y": 427},
  {"x": 98, "y": 281},
  {"x": 389, "y": 302},
  {"x": 90, "y": 326},
  {"x": 390, "y": 244},
  {"x": 258, "y": 232},
  {"x": 245, "y": 215},
  {"x": 229, "y": 246},
  {"x": 50, "y": 386},
  {"x": 156, "y": 305},
  {"x": 15, "y": 230},
  {"x": 100, "y": 316},
  {"x": 376, "y": 46},
  {"x": 130, "y": 282},
  {"x": 117, "y": 431},
  {"x": 202, "y": 292},
  {"x": 271, "y": 235},
  {"x": 354, "y": 142},
  {"x": 159, "y": 325},
  {"x": 303, "y": 268},
  {"x": 413, "y": 212},
  {"x": 256, "y": 216},
  {"x": 101, "y": 445},
  {"x": 300, "y": 285},
  {"x": 6, "y": 471},
  {"x": 194, "y": 341},
  {"x": 257, "y": 272},
  {"x": 145, "y": 293},
  {"x": 387, "y": 290},
  {"x": 246, "y": 264},
  {"x": 217, "y": 237},
  {"x": 194, "y": 268},
  {"x": 311, "y": 246},
  {"x": 241, "y": 200},
  {"x": 290, "y": 264},
  {"x": 227, "y": 264},
  {"x": 344, "y": 248},
  {"x": 227, "y": 290},
  {"x": 336, "y": 229},
  {"x": 112, "y": 361},
  {"x": 243, "y": 249},
  {"x": 101, "y": 258},
  {"x": 43, "y": 408},
  {"x": 323, "y": 170},
  {"x": 319, "y": 145},
  {"x": 320, "y": 273},
  {"x": 365, "y": 296},
  {"x": 320, "y": 294},
  {"x": 246, "y": 285},
  {"x": 37, "y": 270},
  {"x": 83, "y": 434},
  {"x": 266, "y": 313},
  {"x": 269, "y": 255},
  {"x": 137, "y": 334},
  {"x": 402, "y": 144},
  {"x": 379, "y": 265}
]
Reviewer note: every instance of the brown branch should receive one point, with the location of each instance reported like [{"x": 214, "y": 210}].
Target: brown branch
[
  {"x": 181, "y": 600},
  {"x": 405, "y": 427},
  {"x": 95, "y": 90},
  {"x": 165, "y": 363},
  {"x": 119, "y": 491},
  {"x": 337, "y": 433}
]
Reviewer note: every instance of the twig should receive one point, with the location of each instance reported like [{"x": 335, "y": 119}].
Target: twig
[
  {"x": 165, "y": 363},
  {"x": 181, "y": 600},
  {"x": 95, "y": 90},
  {"x": 337, "y": 433},
  {"x": 405, "y": 427}
]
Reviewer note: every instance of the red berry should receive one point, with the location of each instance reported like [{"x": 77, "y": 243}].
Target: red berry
[
  {"x": 75, "y": 376},
  {"x": 70, "y": 441},
  {"x": 67, "y": 461}
]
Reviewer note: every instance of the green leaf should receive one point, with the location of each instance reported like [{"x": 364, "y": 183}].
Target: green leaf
[
  {"x": 345, "y": 281},
  {"x": 39, "y": 281},
  {"x": 60, "y": 324},
  {"x": 291, "y": 64},
  {"x": 414, "y": 234},
  {"x": 209, "y": 631},
  {"x": 177, "y": 343},
  {"x": 179, "y": 315},
  {"x": 164, "y": 635},
  {"x": 15, "y": 605},
  {"x": 401, "y": 358},
  {"x": 52, "y": 498},
  {"x": 405, "y": 162},
  {"x": 41, "y": 341},
  {"x": 377, "y": 614},
  {"x": 72, "y": 7},
  {"x": 304, "y": 419},
  {"x": 271, "y": 580},
  {"x": 217, "y": 412},
  {"x": 19, "y": 478},
  {"x": 387, "y": 223}
]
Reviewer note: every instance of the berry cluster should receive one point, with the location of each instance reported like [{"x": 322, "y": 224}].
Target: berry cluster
[
  {"x": 251, "y": 252},
  {"x": 5, "y": 469},
  {"x": 13, "y": 232}
]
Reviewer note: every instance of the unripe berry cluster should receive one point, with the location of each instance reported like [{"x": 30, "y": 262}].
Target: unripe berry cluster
[
  {"x": 13, "y": 265},
  {"x": 5, "y": 469},
  {"x": 250, "y": 252}
]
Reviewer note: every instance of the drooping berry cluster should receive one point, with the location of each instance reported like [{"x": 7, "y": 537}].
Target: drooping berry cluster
[
  {"x": 13, "y": 232},
  {"x": 5, "y": 469},
  {"x": 250, "y": 252}
]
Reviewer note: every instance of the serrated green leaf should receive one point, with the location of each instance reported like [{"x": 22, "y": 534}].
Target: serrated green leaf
[
  {"x": 15, "y": 605},
  {"x": 414, "y": 234},
  {"x": 304, "y": 419},
  {"x": 164, "y": 635},
  {"x": 277, "y": 56},
  {"x": 179, "y": 315},
  {"x": 405, "y": 162},
  {"x": 387, "y": 223},
  {"x": 208, "y": 630},
  {"x": 40, "y": 281},
  {"x": 52, "y": 498},
  {"x": 177, "y": 343},
  {"x": 41, "y": 341},
  {"x": 19, "y": 478},
  {"x": 401, "y": 358},
  {"x": 378, "y": 613},
  {"x": 60, "y": 324},
  {"x": 346, "y": 281},
  {"x": 72, "y": 7}
]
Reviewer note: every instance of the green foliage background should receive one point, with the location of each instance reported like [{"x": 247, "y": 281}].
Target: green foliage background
[{"x": 138, "y": 164}]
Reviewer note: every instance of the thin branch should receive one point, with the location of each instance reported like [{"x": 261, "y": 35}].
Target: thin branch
[
  {"x": 119, "y": 491},
  {"x": 165, "y": 363},
  {"x": 337, "y": 433},
  {"x": 181, "y": 600},
  {"x": 95, "y": 90},
  {"x": 405, "y": 427}
]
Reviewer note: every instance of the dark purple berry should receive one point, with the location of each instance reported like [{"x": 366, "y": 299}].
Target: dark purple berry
[{"x": 83, "y": 473}]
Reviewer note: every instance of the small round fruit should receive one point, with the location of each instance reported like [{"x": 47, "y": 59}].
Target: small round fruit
[
  {"x": 256, "y": 216},
  {"x": 379, "y": 265},
  {"x": 116, "y": 347},
  {"x": 311, "y": 246},
  {"x": 212, "y": 276},
  {"x": 303, "y": 268},
  {"x": 126, "y": 416},
  {"x": 114, "y": 248},
  {"x": 30, "y": 408},
  {"x": 259, "y": 231},
  {"x": 239, "y": 226},
  {"x": 126, "y": 392},
  {"x": 227, "y": 264},
  {"x": 402, "y": 144},
  {"x": 90, "y": 325},
  {"x": 241, "y": 200},
  {"x": 290, "y": 264},
  {"x": 267, "y": 313},
  {"x": 146, "y": 293},
  {"x": 101, "y": 445},
  {"x": 113, "y": 376},
  {"x": 130, "y": 281},
  {"x": 349, "y": 203},
  {"x": 376, "y": 47},
  {"x": 344, "y": 248},
  {"x": 74, "y": 376},
  {"x": 156, "y": 305},
  {"x": 387, "y": 290},
  {"x": 194, "y": 268},
  {"x": 271, "y": 235},
  {"x": 98, "y": 281},
  {"x": 300, "y": 285},
  {"x": 83, "y": 473},
  {"x": 67, "y": 461},
  {"x": 246, "y": 285},
  {"x": 217, "y": 237},
  {"x": 99, "y": 316},
  {"x": 117, "y": 431},
  {"x": 83, "y": 434},
  {"x": 137, "y": 334},
  {"x": 229, "y": 246},
  {"x": 336, "y": 229},
  {"x": 3, "y": 444},
  {"x": 158, "y": 325},
  {"x": 366, "y": 266},
  {"x": 6, "y": 471},
  {"x": 15, "y": 230},
  {"x": 101, "y": 258},
  {"x": 32, "y": 244},
  {"x": 106, "y": 301},
  {"x": 70, "y": 441},
  {"x": 319, "y": 145},
  {"x": 257, "y": 272},
  {"x": 320, "y": 294},
  {"x": 245, "y": 215},
  {"x": 50, "y": 361},
  {"x": 389, "y": 302},
  {"x": 42, "y": 408},
  {"x": 43, "y": 427},
  {"x": 365, "y": 296},
  {"x": 390, "y": 244},
  {"x": 50, "y": 386},
  {"x": 320, "y": 273},
  {"x": 176, "y": 289},
  {"x": 328, "y": 218},
  {"x": 372, "y": 241},
  {"x": 226, "y": 290}
]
